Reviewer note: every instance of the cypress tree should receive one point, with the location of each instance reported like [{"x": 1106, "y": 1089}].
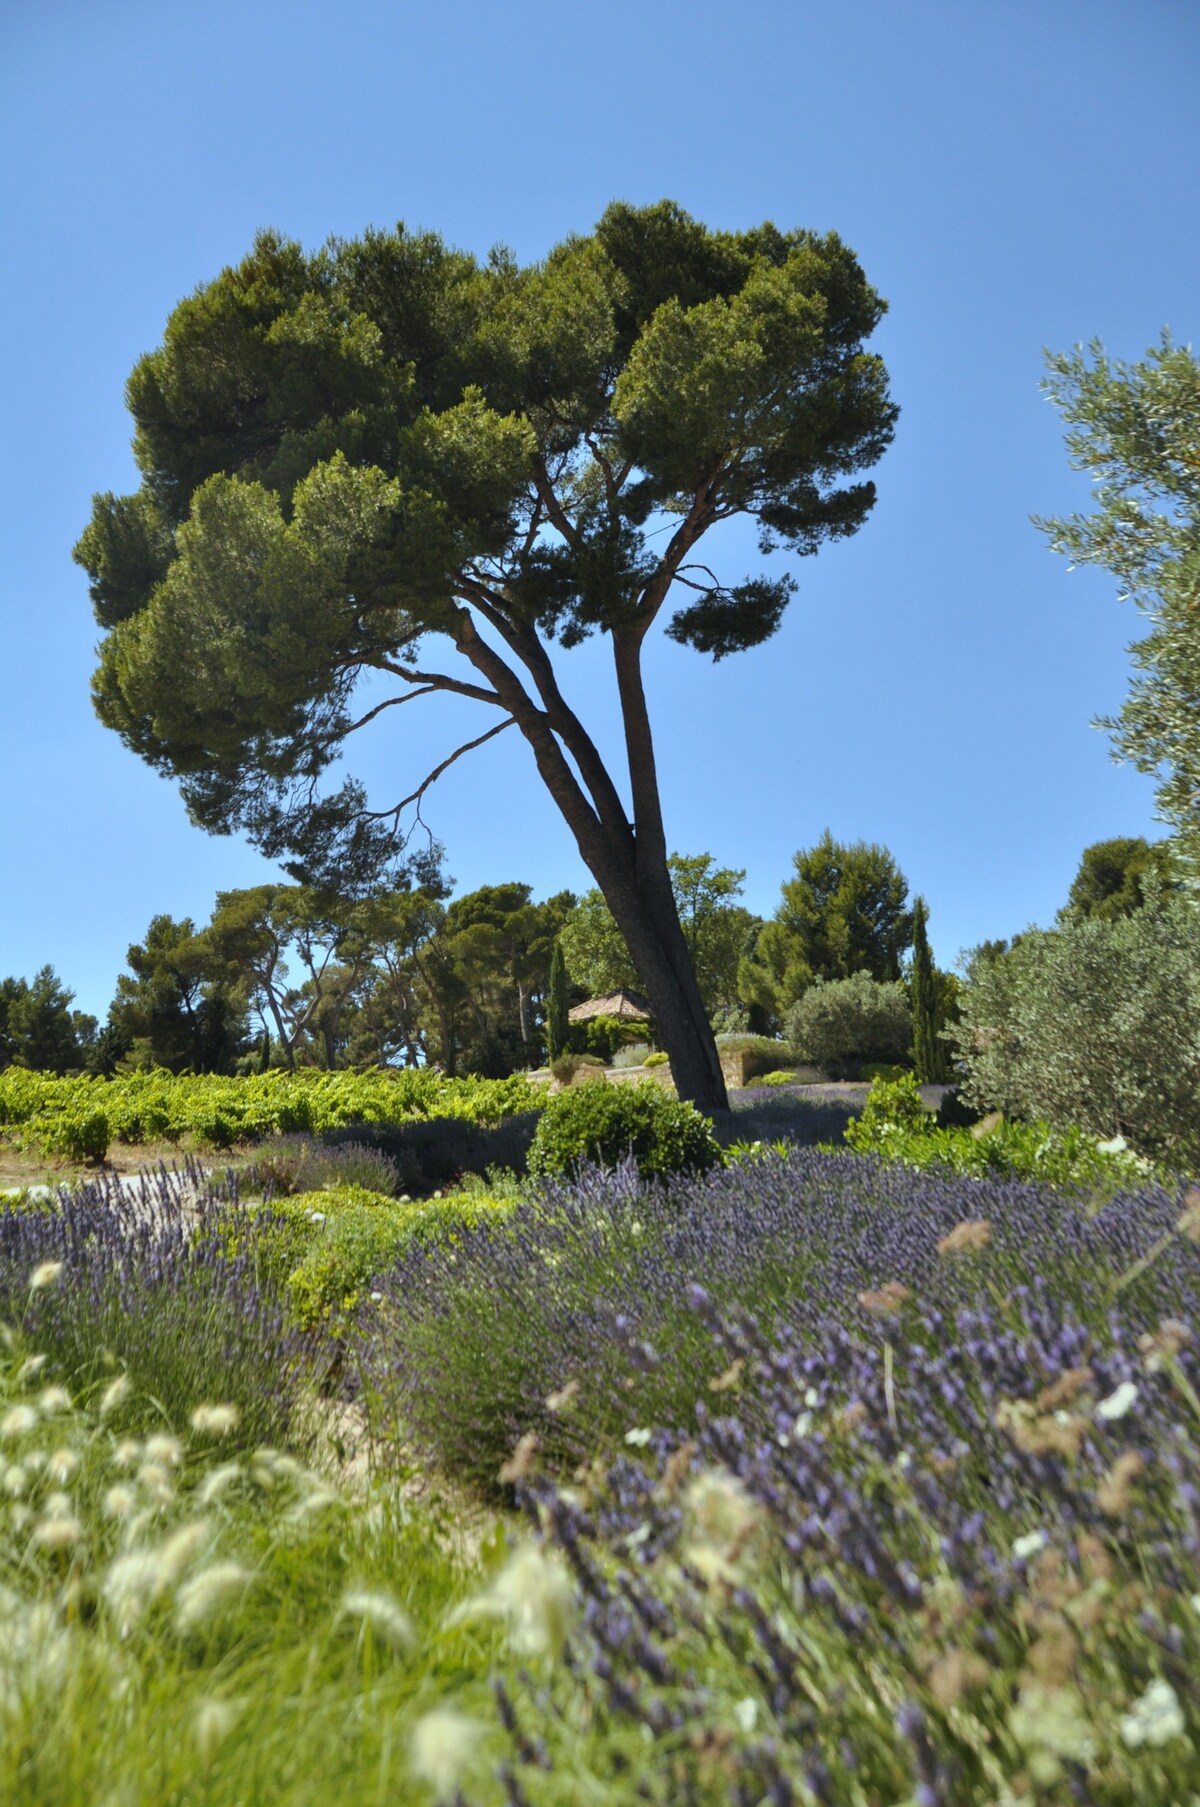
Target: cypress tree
[
  {"x": 928, "y": 1052},
  {"x": 556, "y": 1006}
]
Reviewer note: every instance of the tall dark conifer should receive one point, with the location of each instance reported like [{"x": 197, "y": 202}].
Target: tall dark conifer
[
  {"x": 556, "y": 1006},
  {"x": 929, "y": 1053}
]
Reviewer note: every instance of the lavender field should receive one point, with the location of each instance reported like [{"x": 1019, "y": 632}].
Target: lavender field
[{"x": 810, "y": 1479}]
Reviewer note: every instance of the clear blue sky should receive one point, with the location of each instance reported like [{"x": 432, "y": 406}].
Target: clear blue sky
[{"x": 1013, "y": 175}]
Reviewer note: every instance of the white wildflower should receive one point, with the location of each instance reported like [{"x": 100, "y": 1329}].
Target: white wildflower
[
  {"x": 1051, "y": 1721},
  {"x": 1029, "y": 1545},
  {"x": 114, "y": 1393},
  {"x": 1118, "y": 1403},
  {"x": 803, "y": 1424},
  {"x": 442, "y": 1747},
  {"x": 18, "y": 1420},
  {"x": 377, "y": 1298},
  {"x": 216, "y": 1420},
  {"x": 1114, "y": 1145},
  {"x": 638, "y": 1439},
  {"x": 45, "y": 1274},
  {"x": 378, "y": 1610},
  {"x": 316, "y": 1216},
  {"x": 206, "y": 1592},
  {"x": 1156, "y": 1718},
  {"x": 811, "y": 1397},
  {"x": 746, "y": 1713}
]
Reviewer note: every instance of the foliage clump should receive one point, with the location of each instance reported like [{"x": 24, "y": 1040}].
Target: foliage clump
[
  {"x": 1095, "y": 1024},
  {"x": 608, "y": 1124},
  {"x": 895, "y": 1124},
  {"x": 841, "y": 1023}
]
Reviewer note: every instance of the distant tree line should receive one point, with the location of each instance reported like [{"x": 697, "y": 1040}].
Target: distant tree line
[{"x": 288, "y": 975}]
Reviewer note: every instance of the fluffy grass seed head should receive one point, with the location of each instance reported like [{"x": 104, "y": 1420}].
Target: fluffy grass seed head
[
  {"x": 62, "y": 1465},
  {"x": 216, "y": 1481},
  {"x": 167, "y": 1450},
  {"x": 720, "y": 1508},
  {"x": 44, "y": 1274},
  {"x": 534, "y": 1594},
  {"x": 211, "y": 1726},
  {"x": 216, "y": 1420},
  {"x": 114, "y": 1394},
  {"x": 52, "y": 1400},
  {"x": 206, "y": 1592},
  {"x": 57, "y": 1531},
  {"x": 442, "y": 1749},
  {"x": 16, "y": 1481},
  {"x": 388, "y": 1621},
  {"x": 19, "y": 1420}
]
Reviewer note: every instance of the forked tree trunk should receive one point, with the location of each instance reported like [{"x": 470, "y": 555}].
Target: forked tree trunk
[{"x": 628, "y": 860}]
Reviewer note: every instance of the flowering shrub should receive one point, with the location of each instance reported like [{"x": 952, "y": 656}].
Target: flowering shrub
[
  {"x": 143, "y": 1277},
  {"x": 936, "y": 1541},
  {"x": 584, "y": 1289}
]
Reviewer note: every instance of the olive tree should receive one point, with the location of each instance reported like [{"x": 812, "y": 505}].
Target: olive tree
[
  {"x": 387, "y": 470},
  {"x": 1095, "y": 1023}
]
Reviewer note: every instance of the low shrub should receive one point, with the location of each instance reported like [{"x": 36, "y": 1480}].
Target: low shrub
[
  {"x": 609, "y": 1124},
  {"x": 896, "y": 1125},
  {"x": 656, "y": 1058},
  {"x": 434, "y": 1152},
  {"x": 322, "y": 1249},
  {"x": 840, "y": 1024},
  {"x": 784, "y": 1076},
  {"x": 290, "y": 1164},
  {"x": 82, "y": 1135},
  {"x": 633, "y": 1055},
  {"x": 872, "y": 1070}
]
